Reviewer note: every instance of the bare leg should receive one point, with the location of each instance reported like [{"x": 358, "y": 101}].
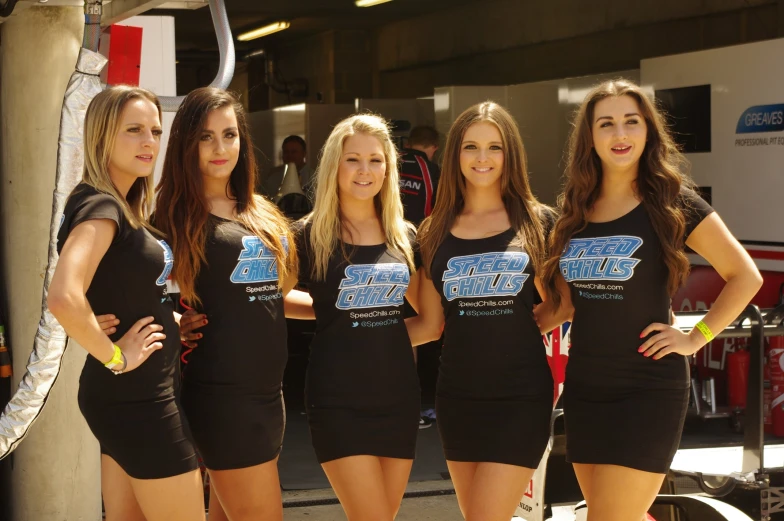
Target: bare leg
[
  {"x": 118, "y": 498},
  {"x": 249, "y": 494}
]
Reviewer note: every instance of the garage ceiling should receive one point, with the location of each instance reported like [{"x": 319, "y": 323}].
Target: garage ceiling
[{"x": 307, "y": 17}]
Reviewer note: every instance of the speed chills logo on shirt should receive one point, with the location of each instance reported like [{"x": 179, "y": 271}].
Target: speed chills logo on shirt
[
  {"x": 600, "y": 258},
  {"x": 495, "y": 274},
  {"x": 373, "y": 285},
  {"x": 256, "y": 264}
]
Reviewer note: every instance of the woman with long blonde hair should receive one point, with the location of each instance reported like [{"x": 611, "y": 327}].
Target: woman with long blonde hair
[
  {"x": 627, "y": 213},
  {"x": 482, "y": 251},
  {"x": 111, "y": 261},
  {"x": 361, "y": 390}
]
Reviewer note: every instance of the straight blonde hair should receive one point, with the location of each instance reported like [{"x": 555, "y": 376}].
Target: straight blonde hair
[
  {"x": 326, "y": 221},
  {"x": 101, "y": 125}
]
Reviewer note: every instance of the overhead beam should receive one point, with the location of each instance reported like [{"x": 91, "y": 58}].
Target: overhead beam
[{"x": 119, "y": 10}]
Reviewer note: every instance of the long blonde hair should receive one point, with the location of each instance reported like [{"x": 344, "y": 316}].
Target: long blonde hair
[
  {"x": 326, "y": 221},
  {"x": 101, "y": 125},
  {"x": 526, "y": 214}
]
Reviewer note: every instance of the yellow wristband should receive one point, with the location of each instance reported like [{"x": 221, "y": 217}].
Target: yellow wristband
[
  {"x": 116, "y": 360},
  {"x": 703, "y": 328}
]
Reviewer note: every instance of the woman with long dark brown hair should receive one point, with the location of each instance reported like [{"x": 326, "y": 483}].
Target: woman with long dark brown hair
[
  {"x": 482, "y": 251},
  {"x": 235, "y": 261},
  {"x": 626, "y": 213}
]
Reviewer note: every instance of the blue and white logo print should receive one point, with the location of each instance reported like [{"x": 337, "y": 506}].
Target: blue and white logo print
[
  {"x": 373, "y": 286},
  {"x": 600, "y": 258},
  {"x": 496, "y": 274},
  {"x": 761, "y": 118},
  {"x": 168, "y": 258},
  {"x": 256, "y": 262}
]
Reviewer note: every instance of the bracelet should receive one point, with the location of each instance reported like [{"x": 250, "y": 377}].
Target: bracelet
[
  {"x": 703, "y": 328},
  {"x": 117, "y": 358}
]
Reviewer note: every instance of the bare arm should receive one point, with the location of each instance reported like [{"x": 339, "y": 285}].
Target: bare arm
[
  {"x": 86, "y": 245},
  {"x": 297, "y": 304},
  {"x": 412, "y": 293},
  {"x": 712, "y": 240},
  {"x": 548, "y": 317},
  {"x": 428, "y": 325}
]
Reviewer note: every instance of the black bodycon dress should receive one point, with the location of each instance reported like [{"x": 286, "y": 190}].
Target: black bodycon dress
[
  {"x": 361, "y": 387},
  {"x": 494, "y": 396},
  {"x": 620, "y": 407},
  {"x": 134, "y": 415},
  {"x": 231, "y": 388}
]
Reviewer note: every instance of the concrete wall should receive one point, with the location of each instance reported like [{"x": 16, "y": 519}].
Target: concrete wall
[
  {"x": 508, "y": 41},
  {"x": 55, "y": 472},
  {"x": 505, "y": 42}
]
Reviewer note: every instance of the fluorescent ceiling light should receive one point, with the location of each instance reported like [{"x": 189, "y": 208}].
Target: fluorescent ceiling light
[
  {"x": 263, "y": 31},
  {"x": 300, "y": 107},
  {"x": 368, "y": 3}
]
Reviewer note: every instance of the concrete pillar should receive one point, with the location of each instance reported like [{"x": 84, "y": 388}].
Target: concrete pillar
[{"x": 56, "y": 469}]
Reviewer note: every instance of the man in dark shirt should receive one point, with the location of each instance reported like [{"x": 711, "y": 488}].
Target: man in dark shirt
[
  {"x": 418, "y": 174},
  {"x": 418, "y": 182}
]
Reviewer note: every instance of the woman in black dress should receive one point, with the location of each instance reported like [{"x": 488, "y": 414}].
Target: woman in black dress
[
  {"x": 482, "y": 249},
  {"x": 235, "y": 261},
  {"x": 112, "y": 261},
  {"x": 355, "y": 254},
  {"x": 627, "y": 213}
]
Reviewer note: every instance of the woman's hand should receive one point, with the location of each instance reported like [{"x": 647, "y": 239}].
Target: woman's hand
[
  {"x": 669, "y": 340},
  {"x": 190, "y": 321},
  {"x": 108, "y": 323},
  {"x": 140, "y": 342}
]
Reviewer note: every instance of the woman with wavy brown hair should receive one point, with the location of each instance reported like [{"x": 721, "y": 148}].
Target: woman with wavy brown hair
[
  {"x": 626, "y": 214},
  {"x": 234, "y": 261},
  {"x": 482, "y": 250}
]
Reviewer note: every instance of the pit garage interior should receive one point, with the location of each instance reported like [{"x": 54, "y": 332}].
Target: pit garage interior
[{"x": 415, "y": 62}]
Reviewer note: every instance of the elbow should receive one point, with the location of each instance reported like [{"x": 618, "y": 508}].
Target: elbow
[
  {"x": 58, "y": 303},
  {"x": 757, "y": 280},
  {"x": 434, "y": 331}
]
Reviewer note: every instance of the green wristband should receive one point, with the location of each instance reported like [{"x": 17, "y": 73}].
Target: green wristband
[{"x": 703, "y": 328}]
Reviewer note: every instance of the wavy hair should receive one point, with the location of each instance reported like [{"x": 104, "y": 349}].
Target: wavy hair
[
  {"x": 659, "y": 182},
  {"x": 326, "y": 221},
  {"x": 101, "y": 126},
  {"x": 181, "y": 208},
  {"x": 526, "y": 213}
]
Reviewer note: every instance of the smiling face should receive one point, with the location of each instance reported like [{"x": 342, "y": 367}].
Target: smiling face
[
  {"x": 619, "y": 133},
  {"x": 482, "y": 155},
  {"x": 138, "y": 140},
  {"x": 219, "y": 144},
  {"x": 362, "y": 168}
]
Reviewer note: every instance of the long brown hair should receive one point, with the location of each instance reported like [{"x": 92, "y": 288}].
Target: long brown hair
[
  {"x": 101, "y": 125},
  {"x": 526, "y": 214},
  {"x": 181, "y": 208},
  {"x": 659, "y": 182}
]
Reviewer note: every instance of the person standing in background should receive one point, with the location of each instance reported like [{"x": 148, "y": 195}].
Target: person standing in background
[
  {"x": 419, "y": 174},
  {"x": 293, "y": 150}
]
